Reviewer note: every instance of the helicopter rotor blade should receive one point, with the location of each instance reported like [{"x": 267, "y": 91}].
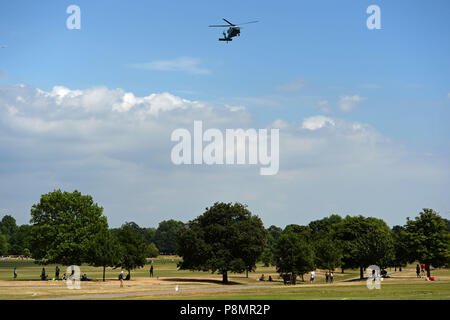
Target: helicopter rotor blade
[
  {"x": 218, "y": 26},
  {"x": 240, "y": 24},
  {"x": 228, "y": 22}
]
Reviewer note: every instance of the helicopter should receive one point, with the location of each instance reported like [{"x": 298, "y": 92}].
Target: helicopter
[{"x": 232, "y": 31}]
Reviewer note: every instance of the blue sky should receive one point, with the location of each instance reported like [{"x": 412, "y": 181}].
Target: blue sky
[{"x": 303, "y": 59}]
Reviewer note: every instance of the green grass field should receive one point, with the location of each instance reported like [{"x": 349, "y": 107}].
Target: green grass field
[{"x": 204, "y": 285}]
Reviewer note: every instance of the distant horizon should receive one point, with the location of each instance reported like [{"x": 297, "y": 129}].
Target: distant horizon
[{"x": 265, "y": 225}]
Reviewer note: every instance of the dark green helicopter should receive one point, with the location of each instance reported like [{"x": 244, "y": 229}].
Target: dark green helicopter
[{"x": 232, "y": 31}]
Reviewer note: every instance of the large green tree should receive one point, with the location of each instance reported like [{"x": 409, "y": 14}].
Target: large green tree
[
  {"x": 428, "y": 239},
  {"x": 328, "y": 252},
  {"x": 365, "y": 241},
  {"x": 105, "y": 251},
  {"x": 134, "y": 249},
  {"x": 273, "y": 234},
  {"x": 225, "y": 238},
  {"x": 8, "y": 226},
  {"x": 152, "y": 250},
  {"x": 327, "y": 247},
  {"x": 401, "y": 256},
  {"x": 294, "y": 254},
  {"x": 166, "y": 236},
  {"x": 20, "y": 240},
  {"x": 63, "y": 227}
]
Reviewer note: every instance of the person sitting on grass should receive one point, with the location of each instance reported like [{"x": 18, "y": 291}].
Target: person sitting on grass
[
  {"x": 84, "y": 277},
  {"x": 128, "y": 276},
  {"x": 270, "y": 278},
  {"x": 262, "y": 277}
]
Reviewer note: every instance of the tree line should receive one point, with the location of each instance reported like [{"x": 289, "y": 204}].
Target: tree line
[{"x": 70, "y": 229}]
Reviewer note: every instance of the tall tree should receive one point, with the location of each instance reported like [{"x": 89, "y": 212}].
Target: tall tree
[
  {"x": 166, "y": 236},
  {"x": 63, "y": 226},
  {"x": 225, "y": 238},
  {"x": 8, "y": 226},
  {"x": 365, "y": 241},
  {"x": 428, "y": 239},
  {"x": 294, "y": 255},
  {"x": 152, "y": 250},
  {"x": 328, "y": 252},
  {"x": 134, "y": 249},
  {"x": 20, "y": 240},
  {"x": 105, "y": 251},
  {"x": 401, "y": 256}
]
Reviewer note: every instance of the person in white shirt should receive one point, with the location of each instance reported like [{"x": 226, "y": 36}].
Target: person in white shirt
[{"x": 313, "y": 274}]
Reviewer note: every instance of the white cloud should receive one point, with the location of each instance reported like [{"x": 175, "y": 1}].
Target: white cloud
[
  {"x": 348, "y": 103},
  {"x": 317, "y": 122},
  {"x": 116, "y": 146},
  {"x": 182, "y": 64}
]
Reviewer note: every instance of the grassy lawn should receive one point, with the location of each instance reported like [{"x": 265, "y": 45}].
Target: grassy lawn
[{"x": 204, "y": 285}]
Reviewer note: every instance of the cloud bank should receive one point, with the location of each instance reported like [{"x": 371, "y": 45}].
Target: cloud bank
[{"x": 116, "y": 146}]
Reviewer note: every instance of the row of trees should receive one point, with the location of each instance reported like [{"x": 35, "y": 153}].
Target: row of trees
[
  {"x": 69, "y": 228},
  {"x": 357, "y": 242},
  {"x": 15, "y": 240},
  {"x": 227, "y": 238}
]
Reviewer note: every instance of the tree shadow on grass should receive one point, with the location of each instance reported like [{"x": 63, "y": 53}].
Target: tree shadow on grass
[{"x": 196, "y": 280}]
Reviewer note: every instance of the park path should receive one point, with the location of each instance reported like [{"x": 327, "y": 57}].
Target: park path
[{"x": 143, "y": 293}]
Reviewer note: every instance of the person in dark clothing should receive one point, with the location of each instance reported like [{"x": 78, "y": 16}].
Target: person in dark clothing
[
  {"x": 57, "y": 273},
  {"x": 128, "y": 276},
  {"x": 15, "y": 273},
  {"x": 43, "y": 275},
  {"x": 418, "y": 271},
  {"x": 151, "y": 271}
]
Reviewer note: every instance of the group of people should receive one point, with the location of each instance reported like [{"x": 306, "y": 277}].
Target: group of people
[
  {"x": 329, "y": 277},
  {"x": 85, "y": 277},
  {"x": 420, "y": 271},
  {"x": 263, "y": 278},
  {"x": 57, "y": 270}
]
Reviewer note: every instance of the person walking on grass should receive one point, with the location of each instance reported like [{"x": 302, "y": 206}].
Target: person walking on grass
[
  {"x": 57, "y": 273},
  {"x": 326, "y": 277},
  {"x": 331, "y": 277},
  {"x": 15, "y": 273},
  {"x": 422, "y": 267},
  {"x": 418, "y": 271},
  {"x": 151, "y": 271},
  {"x": 313, "y": 274},
  {"x": 121, "y": 279}
]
